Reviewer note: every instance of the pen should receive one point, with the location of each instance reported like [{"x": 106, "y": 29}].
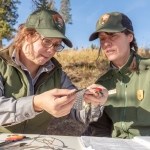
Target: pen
[{"x": 11, "y": 139}]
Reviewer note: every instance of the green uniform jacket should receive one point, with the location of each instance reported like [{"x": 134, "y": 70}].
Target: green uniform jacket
[
  {"x": 127, "y": 111},
  {"x": 16, "y": 85}
]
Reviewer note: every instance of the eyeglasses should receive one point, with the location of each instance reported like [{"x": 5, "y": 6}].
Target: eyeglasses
[{"x": 48, "y": 44}]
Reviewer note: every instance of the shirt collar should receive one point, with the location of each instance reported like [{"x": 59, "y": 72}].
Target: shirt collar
[{"x": 126, "y": 66}]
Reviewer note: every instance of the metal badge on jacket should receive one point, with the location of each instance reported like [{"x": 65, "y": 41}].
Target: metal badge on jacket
[{"x": 140, "y": 95}]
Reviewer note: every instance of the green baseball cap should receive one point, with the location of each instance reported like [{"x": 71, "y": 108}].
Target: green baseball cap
[
  {"x": 48, "y": 23},
  {"x": 112, "y": 22}
]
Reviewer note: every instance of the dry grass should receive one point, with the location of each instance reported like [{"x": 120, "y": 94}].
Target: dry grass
[
  {"x": 81, "y": 66},
  {"x": 144, "y": 53}
]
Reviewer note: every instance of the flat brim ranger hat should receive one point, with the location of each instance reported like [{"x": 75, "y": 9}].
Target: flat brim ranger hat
[
  {"x": 48, "y": 23},
  {"x": 112, "y": 22}
]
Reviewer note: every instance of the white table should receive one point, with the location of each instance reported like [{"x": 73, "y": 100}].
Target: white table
[{"x": 53, "y": 142}]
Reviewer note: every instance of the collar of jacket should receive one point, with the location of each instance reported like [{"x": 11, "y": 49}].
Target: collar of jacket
[{"x": 128, "y": 67}]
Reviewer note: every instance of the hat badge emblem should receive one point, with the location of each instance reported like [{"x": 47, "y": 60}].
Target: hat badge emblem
[
  {"x": 140, "y": 95},
  {"x": 104, "y": 19},
  {"x": 58, "y": 20}
]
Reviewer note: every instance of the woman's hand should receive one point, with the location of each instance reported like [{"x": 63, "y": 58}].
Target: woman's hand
[
  {"x": 57, "y": 102},
  {"x": 96, "y": 95}
]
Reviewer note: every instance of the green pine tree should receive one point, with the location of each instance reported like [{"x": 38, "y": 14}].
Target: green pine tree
[
  {"x": 8, "y": 18},
  {"x": 45, "y": 4},
  {"x": 65, "y": 11}
]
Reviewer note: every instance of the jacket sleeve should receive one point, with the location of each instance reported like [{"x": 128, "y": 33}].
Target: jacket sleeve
[
  {"x": 66, "y": 82},
  {"x": 12, "y": 111}
]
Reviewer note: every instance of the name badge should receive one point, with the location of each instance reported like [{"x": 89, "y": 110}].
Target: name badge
[
  {"x": 114, "y": 91},
  {"x": 140, "y": 95}
]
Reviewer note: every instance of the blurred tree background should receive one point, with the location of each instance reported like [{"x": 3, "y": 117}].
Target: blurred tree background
[{"x": 8, "y": 18}]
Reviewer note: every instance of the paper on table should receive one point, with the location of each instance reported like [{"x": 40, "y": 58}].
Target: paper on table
[
  {"x": 103, "y": 143},
  {"x": 143, "y": 140}
]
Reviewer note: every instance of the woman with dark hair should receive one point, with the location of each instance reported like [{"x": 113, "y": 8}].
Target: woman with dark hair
[{"x": 127, "y": 110}]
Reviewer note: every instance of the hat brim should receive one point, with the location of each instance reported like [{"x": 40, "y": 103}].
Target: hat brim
[
  {"x": 55, "y": 34},
  {"x": 94, "y": 35}
]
